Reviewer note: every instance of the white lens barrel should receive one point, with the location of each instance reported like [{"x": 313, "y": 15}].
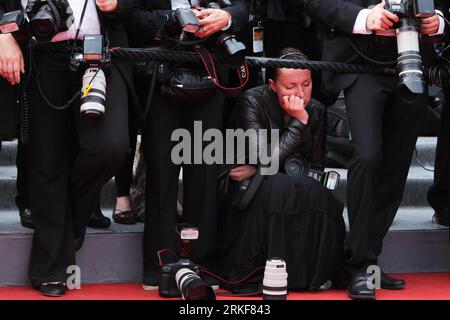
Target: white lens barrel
[
  {"x": 407, "y": 40},
  {"x": 275, "y": 284},
  {"x": 93, "y": 103}
]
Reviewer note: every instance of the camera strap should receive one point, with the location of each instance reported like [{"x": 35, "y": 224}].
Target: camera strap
[
  {"x": 83, "y": 12},
  {"x": 208, "y": 63}
]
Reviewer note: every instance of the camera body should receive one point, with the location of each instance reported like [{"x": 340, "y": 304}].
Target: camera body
[
  {"x": 95, "y": 54},
  {"x": 296, "y": 166},
  {"x": 227, "y": 45},
  {"x": 185, "y": 23},
  {"x": 167, "y": 282},
  {"x": 46, "y": 18},
  {"x": 410, "y": 8},
  {"x": 93, "y": 65}
]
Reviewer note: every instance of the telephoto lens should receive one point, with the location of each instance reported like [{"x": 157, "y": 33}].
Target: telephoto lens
[
  {"x": 409, "y": 60},
  {"x": 94, "y": 94},
  {"x": 192, "y": 287},
  {"x": 48, "y": 17},
  {"x": 275, "y": 280}
]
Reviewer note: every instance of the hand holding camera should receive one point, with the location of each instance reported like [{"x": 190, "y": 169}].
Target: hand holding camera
[
  {"x": 11, "y": 59},
  {"x": 241, "y": 173},
  {"x": 429, "y": 25},
  {"x": 295, "y": 107},
  {"x": 107, "y": 5},
  {"x": 212, "y": 21},
  {"x": 380, "y": 19}
]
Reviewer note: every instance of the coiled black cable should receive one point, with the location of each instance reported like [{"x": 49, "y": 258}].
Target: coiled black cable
[
  {"x": 155, "y": 73},
  {"x": 25, "y": 112},
  {"x": 369, "y": 59}
]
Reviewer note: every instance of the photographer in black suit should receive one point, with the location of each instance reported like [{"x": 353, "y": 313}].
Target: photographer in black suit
[
  {"x": 199, "y": 180},
  {"x": 69, "y": 159},
  {"x": 384, "y": 127},
  {"x": 438, "y": 194}
]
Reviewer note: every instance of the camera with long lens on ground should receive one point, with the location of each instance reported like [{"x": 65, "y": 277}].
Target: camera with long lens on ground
[
  {"x": 296, "y": 166},
  {"x": 45, "y": 18},
  {"x": 93, "y": 62},
  {"x": 182, "y": 277},
  {"x": 409, "y": 59}
]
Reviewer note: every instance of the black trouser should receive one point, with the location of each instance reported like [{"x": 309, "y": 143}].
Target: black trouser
[
  {"x": 22, "y": 201},
  {"x": 438, "y": 194},
  {"x": 69, "y": 160},
  {"x": 384, "y": 132},
  {"x": 124, "y": 177},
  {"x": 199, "y": 181}
]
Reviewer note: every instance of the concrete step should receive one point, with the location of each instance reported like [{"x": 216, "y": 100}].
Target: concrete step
[
  {"x": 417, "y": 185},
  {"x": 8, "y": 153},
  {"x": 112, "y": 255},
  {"x": 413, "y": 244},
  {"x": 419, "y": 179},
  {"x": 426, "y": 147},
  {"x": 425, "y": 152},
  {"x": 8, "y": 190}
]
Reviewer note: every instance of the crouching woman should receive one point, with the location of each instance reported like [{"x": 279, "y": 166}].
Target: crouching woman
[{"x": 293, "y": 217}]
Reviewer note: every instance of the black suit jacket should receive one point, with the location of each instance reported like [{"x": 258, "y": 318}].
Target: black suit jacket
[
  {"x": 339, "y": 17},
  {"x": 8, "y": 94},
  {"x": 111, "y": 24},
  {"x": 149, "y": 16}
]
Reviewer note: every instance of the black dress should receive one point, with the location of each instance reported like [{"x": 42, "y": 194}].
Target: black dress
[{"x": 296, "y": 219}]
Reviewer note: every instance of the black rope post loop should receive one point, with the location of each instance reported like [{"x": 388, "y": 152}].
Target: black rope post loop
[{"x": 150, "y": 54}]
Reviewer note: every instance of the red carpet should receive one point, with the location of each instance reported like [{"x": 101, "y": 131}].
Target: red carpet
[{"x": 421, "y": 286}]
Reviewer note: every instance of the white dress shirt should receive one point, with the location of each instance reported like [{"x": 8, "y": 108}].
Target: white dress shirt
[
  {"x": 91, "y": 22},
  {"x": 361, "y": 19},
  {"x": 184, "y": 4}
]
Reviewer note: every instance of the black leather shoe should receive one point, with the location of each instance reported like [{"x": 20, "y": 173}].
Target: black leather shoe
[
  {"x": 98, "y": 220},
  {"x": 390, "y": 283},
  {"x": 358, "y": 289},
  {"x": 25, "y": 218},
  {"x": 53, "y": 289}
]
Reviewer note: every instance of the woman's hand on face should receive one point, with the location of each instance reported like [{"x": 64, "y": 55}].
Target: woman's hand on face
[
  {"x": 107, "y": 5},
  {"x": 212, "y": 21},
  {"x": 241, "y": 173},
  {"x": 11, "y": 59},
  {"x": 295, "y": 107}
]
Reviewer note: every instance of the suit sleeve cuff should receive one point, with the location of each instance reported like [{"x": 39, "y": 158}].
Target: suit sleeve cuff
[
  {"x": 360, "y": 23},
  {"x": 230, "y": 22}
]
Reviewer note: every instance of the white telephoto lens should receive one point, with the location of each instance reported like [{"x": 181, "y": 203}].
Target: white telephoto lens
[
  {"x": 275, "y": 280},
  {"x": 93, "y": 100}
]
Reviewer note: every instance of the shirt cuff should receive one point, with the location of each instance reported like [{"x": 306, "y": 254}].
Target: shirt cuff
[
  {"x": 360, "y": 23},
  {"x": 228, "y": 26},
  {"x": 441, "y": 24}
]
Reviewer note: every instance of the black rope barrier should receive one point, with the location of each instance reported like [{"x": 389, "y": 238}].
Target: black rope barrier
[{"x": 149, "y": 54}]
